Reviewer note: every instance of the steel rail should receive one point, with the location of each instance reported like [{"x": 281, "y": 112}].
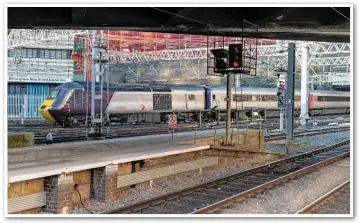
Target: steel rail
[
  {"x": 177, "y": 194},
  {"x": 248, "y": 193},
  {"x": 323, "y": 199}
]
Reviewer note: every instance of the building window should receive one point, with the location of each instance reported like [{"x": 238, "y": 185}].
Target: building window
[
  {"x": 58, "y": 54},
  {"x": 23, "y": 53},
  {"x": 47, "y": 54},
  {"x": 11, "y": 53},
  {"x": 52, "y": 54},
  {"x": 40, "y": 53},
  {"x": 64, "y": 54}
]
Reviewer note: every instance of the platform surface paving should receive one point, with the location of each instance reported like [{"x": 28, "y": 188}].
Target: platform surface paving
[{"x": 40, "y": 161}]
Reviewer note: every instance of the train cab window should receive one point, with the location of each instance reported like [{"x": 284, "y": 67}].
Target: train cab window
[
  {"x": 54, "y": 94},
  {"x": 214, "y": 97},
  {"x": 191, "y": 97}
]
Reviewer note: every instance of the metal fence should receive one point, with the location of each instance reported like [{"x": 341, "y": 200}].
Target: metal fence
[{"x": 19, "y": 106}]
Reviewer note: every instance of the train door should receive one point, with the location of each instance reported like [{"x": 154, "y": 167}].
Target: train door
[{"x": 191, "y": 102}]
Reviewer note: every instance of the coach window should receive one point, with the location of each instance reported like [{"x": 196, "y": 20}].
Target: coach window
[
  {"x": 191, "y": 97},
  {"x": 237, "y": 98}
]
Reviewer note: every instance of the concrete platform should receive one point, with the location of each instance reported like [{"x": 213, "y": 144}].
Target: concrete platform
[{"x": 40, "y": 161}]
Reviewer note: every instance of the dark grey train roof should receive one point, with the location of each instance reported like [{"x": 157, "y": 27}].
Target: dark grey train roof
[
  {"x": 187, "y": 88},
  {"x": 159, "y": 88},
  {"x": 248, "y": 89},
  {"x": 115, "y": 87},
  {"x": 169, "y": 88}
]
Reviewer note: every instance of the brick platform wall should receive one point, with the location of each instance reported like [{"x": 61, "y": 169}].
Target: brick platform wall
[
  {"x": 104, "y": 183},
  {"x": 58, "y": 194},
  {"x": 252, "y": 140}
]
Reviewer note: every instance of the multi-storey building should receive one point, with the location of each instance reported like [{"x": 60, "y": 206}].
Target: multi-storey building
[{"x": 33, "y": 72}]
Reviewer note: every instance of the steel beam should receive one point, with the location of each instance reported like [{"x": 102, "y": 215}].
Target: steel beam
[
  {"x": 304, "y": 86},
  {"x": 229, "y": 100},
  {"x": 290, "y": 91},
  {"x": 93, "y": 81}
]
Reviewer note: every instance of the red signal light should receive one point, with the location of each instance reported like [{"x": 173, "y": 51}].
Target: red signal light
[{"x": 235, "y": 64}]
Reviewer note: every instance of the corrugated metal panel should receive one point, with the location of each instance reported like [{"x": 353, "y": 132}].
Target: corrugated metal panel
[
  {"x": 26, "y": 202},
  {"x": 36, "y": 93},
  {"x": 16, "y": 104},
  {"x": 140, "y": 177}
]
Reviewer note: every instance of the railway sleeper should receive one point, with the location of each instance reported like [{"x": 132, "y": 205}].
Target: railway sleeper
[
  {"x": 220, "y": 191},
  {"x": 210, "y": 196},
  {"x": 193, "y": 203}
]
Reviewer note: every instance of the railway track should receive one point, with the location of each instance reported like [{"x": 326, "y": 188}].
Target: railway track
[
  {"x": 42, "y": 123},
  {"x": 331, "y": 202},
  {"x": 73, "y": 136},
  {"x": 211, "y": 196}
]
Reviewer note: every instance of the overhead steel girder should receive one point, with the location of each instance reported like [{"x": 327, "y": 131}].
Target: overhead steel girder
[
  {"x": 189, "y": 54},
  {"x": 264, "y": 53},
  {"x": 27, "y": 37},
  {"x": 330, "y": 77}
]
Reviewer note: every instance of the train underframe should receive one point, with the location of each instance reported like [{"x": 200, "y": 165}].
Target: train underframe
[{"x": 196, "y": 116}]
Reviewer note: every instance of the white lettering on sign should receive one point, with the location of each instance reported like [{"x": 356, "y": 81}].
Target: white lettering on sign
[{"x": 38, "y": 79}]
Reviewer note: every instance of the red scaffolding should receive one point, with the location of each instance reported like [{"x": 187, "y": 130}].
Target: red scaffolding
[{"x": 138, "y": 42}]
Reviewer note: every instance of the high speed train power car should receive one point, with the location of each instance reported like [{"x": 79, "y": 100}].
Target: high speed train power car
[{"x": 70, "y": 103}]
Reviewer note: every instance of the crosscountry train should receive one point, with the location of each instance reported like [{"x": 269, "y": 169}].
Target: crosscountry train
[{"x": 67, "y": 103}]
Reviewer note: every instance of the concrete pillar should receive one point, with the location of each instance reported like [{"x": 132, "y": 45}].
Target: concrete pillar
[
  {"x": 290, "y": 91},
  {"x": 58, "y": 190},
  {"x": 304, "y": 86},
  {"x": 104, "y": 183}
]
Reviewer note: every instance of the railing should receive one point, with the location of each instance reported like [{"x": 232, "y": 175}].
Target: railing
[{"x": 19, "y": 106}]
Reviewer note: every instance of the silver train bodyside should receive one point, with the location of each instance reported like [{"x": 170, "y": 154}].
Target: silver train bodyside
[{"x": 154, "y": 103}]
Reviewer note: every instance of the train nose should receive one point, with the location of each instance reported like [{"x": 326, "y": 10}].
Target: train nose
[{"x": 44, "y": 110}]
